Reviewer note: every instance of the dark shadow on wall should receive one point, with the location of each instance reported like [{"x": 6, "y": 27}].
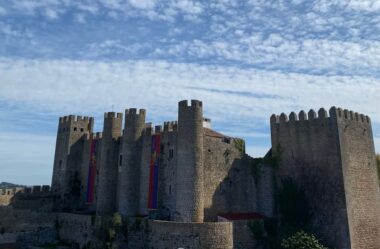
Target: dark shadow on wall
[{"x": 235, "y": 194}]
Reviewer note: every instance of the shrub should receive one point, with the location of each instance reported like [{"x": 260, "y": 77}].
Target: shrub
[
  {"x": 257, "y": 229},
  {"x": 117, "y": 220},
  {"x": 302, "y": 240}
]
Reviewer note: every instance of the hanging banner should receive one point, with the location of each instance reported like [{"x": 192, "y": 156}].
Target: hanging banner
[
  {"x": 153, "y": 171},
  {"x": 91, "y": 172}
]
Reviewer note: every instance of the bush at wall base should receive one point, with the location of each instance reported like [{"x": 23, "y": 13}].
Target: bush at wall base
[{"x": 301, "y": 240}]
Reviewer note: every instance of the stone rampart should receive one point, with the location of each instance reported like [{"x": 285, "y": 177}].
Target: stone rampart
[
  {"x": 26, "y": 227},
  {"x": 360, "y": 179},
  {"x": 331, "y": 158},
  {"x": 308, "y": 148},
  {"x": 215, "y": 235},
  {"x": 76, "y": 228}
]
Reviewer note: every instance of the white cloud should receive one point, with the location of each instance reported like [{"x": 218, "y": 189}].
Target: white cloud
[
  {"x": 51, "y": 14},
  {"x": 188, "y": 6},
  {"x": 7, "y": 30},
  {"x": 276, "y": 52},
  {"x": 80, "y": 18},
  {"x": 143, "y": 4},
  {"x": 239, "y": 94},
  {"x": 112, "y": 47},
  {"x": 3, "y": 12},
  {"x": 92, "y": 8},
  {"x": 367, "y": 5},
  {"x": 239, "y": 101}
]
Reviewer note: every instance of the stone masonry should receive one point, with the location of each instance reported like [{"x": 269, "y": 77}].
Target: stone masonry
[
  {"x": 181, "y": 176},
  {"x": 332, "y": 158}
]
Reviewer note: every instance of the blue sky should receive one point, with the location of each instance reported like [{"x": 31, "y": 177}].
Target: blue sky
[{"x": 244, "y": 59}]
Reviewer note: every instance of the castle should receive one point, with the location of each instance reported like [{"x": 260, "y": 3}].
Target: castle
[{"x": 199, "y": 188}]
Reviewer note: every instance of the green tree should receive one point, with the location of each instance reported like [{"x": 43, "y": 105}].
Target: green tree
[{"x": 301, "y": 240}]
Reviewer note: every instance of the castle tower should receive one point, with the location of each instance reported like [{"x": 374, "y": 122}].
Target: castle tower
[
  {"x": 332, "y": 159},
  {"x": 90, "y": 169},
  {"x": 109, "y": 160},
  {"x": 146, "y": 160},
  {"x": 129, "y": 175},
  {"x": 189, "y": 183},
  {"x": 70, "y": 130}
]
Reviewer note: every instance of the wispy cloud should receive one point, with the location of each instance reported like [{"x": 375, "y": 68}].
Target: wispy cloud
[
  {"x": 242, "y": 98},
  {"x": 244, "y": 59},
  {"x": 312, "y": 37},
  {"x": 237, "y": 93},
  {"x": 2, "y": 11}
]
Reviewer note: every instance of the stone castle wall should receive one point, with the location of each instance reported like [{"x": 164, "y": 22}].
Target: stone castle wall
[
  {"x": 202, "y": 173},
  {"x": 310, "y": 155},
  {"x": 332, "y": 159},
  {"x": 183, "y": 146},
  {"x": 76, "y": 229},
  {"x": 360, "y": 179},
  {"x": 70, "y": 130},
  {"x": 190, "y": 168},
  {"x": 16, "y": 221},
  {"x": 129, "y": 173},
  {"x": 72, "y": 184},
  {"x": 109, "y": 163},
  {"x": 146, "y": 141},
  {"x": 229, "y": 185},
  {"x": 167, "y": 175},
  {"x": 6, "y": 196},
  {"x": 266, "y": 191},
  {"x": 167, "y": 234},
  {"x": 37, "y": 198}
]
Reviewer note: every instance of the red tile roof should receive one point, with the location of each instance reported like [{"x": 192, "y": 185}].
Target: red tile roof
[{"x": 211, "y": 133}]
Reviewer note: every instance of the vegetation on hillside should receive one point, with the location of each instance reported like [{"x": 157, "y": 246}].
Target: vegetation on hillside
[{"x": 4, "y": 185}]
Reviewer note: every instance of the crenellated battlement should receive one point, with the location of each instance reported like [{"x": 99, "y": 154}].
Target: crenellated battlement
[
  {"x": 74, "y": 118},
  {"x": 322, "y": 114},
  {"x": 158, "y": 129},
  {"x": 72, "y": 123},
  {"x": 34, "y": 190},
  {"x": 350, "y": 115},
  {"x": 170, "y": 126},
  {"x": 134, "y": 112},
  {"x": 113, "y": 115},
  {"x": 194, "y": 103},
  {"x": 94, "y": 136},
  {"x": 148, "y": 129},
  {"x": 97, "y": 135},
  {"x": 332, "y": 149}
]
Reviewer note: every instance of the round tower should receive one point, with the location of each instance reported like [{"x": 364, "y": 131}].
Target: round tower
[
  {"x": 189, "y": 183},
  {"x": 129, "y": 170},
  {"x": 109, "y": 156}
]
